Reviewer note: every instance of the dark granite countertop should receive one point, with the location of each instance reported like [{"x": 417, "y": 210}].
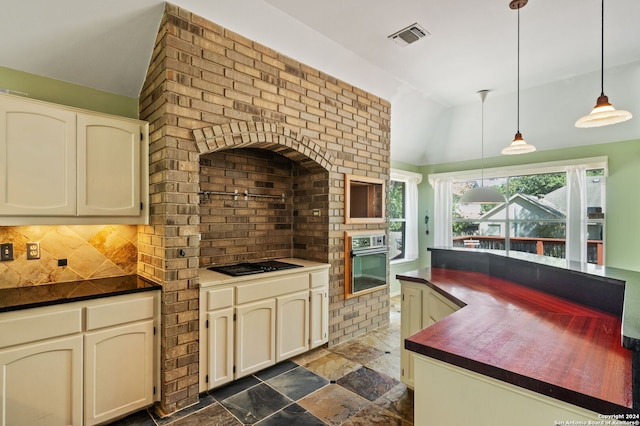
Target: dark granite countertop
[
  {"x": 528, "y": 338},
  {"x": 13, "y": 299}
]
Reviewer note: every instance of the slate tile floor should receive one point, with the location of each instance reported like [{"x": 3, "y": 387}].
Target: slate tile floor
[{"x": 355, "y": 383}]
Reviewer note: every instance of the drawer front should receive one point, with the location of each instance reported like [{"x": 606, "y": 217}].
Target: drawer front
[
  {"x": 264, "y": 289},
  {"x": 36, "y": 324},
  {"x": 319, "y": 279},
  {"x": 220, "y": 298},
  {"x": 120, "y": 310}
]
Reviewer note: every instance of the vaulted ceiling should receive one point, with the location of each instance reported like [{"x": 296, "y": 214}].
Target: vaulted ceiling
[{"x": 431, "y": 83}]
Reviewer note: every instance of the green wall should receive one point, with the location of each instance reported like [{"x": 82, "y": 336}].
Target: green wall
[
  {"x": 622, "y": 221},
  {"x": 61, "y": 92}
]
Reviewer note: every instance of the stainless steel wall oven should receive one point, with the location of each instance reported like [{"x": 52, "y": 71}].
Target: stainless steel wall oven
[{"x": 367, "y": 264}]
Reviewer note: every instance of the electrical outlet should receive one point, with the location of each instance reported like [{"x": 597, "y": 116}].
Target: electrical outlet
[
  {"x": 6, "y": 251},
  {"x": 33, "y": 251}
]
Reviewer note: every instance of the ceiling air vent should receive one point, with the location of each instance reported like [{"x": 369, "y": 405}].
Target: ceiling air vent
[{"x": 409, "y": 35}]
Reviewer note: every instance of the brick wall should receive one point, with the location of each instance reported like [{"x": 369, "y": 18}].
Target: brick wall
[
  {"x": 240, "y": 228},
  {"x": 209, "y": 90}
]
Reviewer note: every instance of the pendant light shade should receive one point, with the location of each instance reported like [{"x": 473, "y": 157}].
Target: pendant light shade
[
  {"x": 603, "y": 114},
  {"x": 480, "y": 194},
  {"x": 518, "y": 146}
]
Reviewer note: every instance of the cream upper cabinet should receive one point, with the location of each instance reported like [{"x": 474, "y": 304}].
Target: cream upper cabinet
[
  {"x": 108, "y": 166},
  {"x": 69, "y": 166},
  {"x": 38, "y": 165}
]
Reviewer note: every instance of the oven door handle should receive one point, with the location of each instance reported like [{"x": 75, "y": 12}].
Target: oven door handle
[{"x": 365, "y": 252}]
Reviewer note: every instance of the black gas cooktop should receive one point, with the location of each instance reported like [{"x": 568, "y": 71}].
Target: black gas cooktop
[{"x": 249, "y": 268}]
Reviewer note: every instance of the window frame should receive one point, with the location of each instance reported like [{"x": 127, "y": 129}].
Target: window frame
[
  {"x": 410, "y": 218},
  {"x": 402, "y": 220}
]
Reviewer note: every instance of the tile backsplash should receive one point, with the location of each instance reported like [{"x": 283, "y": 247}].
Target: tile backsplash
[{"x": 91, "y": 251}]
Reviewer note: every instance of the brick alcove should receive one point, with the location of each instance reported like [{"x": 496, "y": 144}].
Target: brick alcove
[{"x": 271, "y": 159}]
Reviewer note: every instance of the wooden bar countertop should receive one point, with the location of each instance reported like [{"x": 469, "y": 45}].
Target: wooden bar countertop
[{"x": 528, "y": 338}]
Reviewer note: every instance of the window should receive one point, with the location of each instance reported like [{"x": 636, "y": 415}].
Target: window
[
  {"x": 596, "y": 185},
  {"x": 397, "y": 220},
  {"x": 494, "y": 229},
  {"x": 552, "y": 209},
  {"x": 403, "y": 215},
  {"x": 534, "y": 215}
]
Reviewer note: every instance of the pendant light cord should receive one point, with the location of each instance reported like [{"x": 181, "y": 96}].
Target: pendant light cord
[
  {"x": 518, "y": 96},
  {"x": 602, "y": 50},
  {"x": 482, "y": 147}
]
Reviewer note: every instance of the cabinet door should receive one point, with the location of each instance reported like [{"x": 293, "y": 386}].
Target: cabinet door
[
  {"x": 118, "y": 371},
  {"x": 41, "y": 384},
  {"x": 38, "y": 160},
  {"x": 219, "y": 329},
  {"x": 108, "y": 166},
  {"x": 437, "y": 307},
  {"x": 292, "y": 325},
  {"x": 319, "y": 317},
  {"x": 255, "y": 336},
  {"x": 410, "y": 323}
]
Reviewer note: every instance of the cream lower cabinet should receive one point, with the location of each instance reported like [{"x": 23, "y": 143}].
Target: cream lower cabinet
[
  {"x": 41, "y": 383},
  {"x": 219, "y": 327},
  {"x": 292, "y": 325},
  {"x": 119, "y": 362},
  {"x": 118, "y": 371},
  {"x": 252, "y": 325},
  {"x": 80, "y": 363},
  {"x": 217, "y": 336},
  {"x": 319, "y": 309},
  {"x": 255, "y": 336},
  {"x": 420, "y": 307},
  {"x": 319, "y": 317},
  {"x": 410, "y": 323}
]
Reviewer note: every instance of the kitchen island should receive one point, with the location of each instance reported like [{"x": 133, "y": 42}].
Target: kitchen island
[{"x": 515, "y": 353}]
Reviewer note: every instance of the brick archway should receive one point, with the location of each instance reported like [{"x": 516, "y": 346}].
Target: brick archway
[{"x": 272, "y": 136}]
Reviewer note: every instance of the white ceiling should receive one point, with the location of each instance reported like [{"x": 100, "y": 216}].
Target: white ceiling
[{"x": 432, "y": 84}]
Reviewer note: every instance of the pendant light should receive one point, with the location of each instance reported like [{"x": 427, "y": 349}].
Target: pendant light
[
  {"x": 603, "y": 113},
  {"x": 480, "y": 194},
  {"x": 518, "y": 146}
]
